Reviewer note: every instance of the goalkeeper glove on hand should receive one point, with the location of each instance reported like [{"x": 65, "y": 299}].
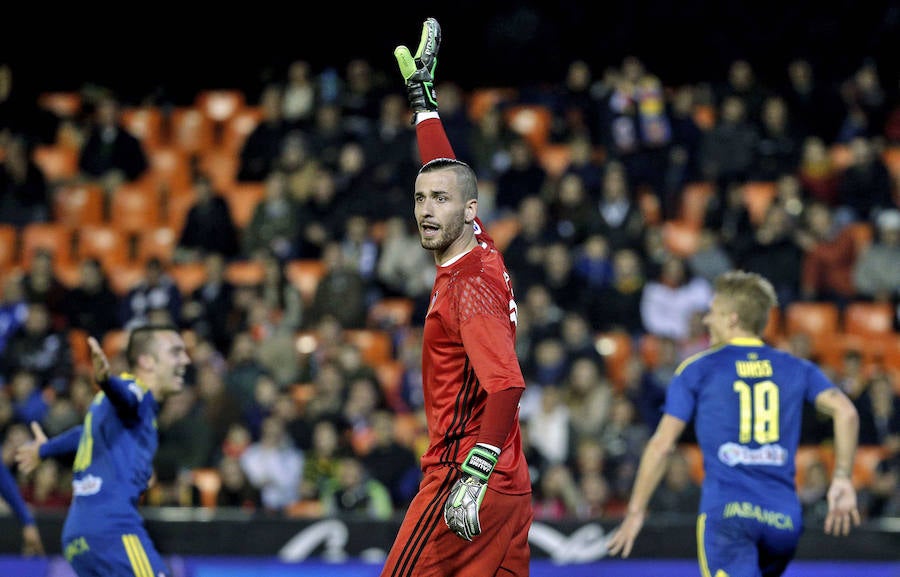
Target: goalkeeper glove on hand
[
  {"x": 418, "y": 71},
  {"x": 461, "y": 508}
]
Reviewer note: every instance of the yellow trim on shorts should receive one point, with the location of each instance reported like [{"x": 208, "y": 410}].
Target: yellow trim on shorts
[{"x": 140, "y": 564}]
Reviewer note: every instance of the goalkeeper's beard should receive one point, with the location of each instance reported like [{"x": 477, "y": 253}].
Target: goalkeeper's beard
[{"x": 446, "y": 236}]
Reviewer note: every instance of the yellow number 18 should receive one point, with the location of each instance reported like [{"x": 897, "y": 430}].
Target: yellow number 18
[{"x": 759, "y": 411}]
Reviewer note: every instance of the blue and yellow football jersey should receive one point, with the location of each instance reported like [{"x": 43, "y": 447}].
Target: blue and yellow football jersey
[{"x": 746, "y": 399}]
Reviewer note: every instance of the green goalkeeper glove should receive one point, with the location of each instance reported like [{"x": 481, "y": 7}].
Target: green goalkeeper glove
[
  {"x": 461, "y": 508},
  {"x": 418, "y": 72}
]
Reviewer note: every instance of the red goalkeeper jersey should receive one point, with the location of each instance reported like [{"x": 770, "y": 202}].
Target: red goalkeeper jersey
[{"x": 469, "y": 347}]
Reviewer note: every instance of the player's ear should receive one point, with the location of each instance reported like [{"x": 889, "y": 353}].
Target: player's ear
[{"x": 471, "y": 210}]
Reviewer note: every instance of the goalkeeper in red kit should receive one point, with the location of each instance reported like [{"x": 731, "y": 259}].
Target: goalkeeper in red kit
[{"x": 473, "y": 511}]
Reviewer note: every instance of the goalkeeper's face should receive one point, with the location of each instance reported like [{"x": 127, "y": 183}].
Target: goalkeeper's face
[{"x": 443, "y": 214}]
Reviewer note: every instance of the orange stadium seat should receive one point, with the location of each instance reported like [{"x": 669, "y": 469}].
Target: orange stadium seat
[
  {"x": 9, "y": 247},
  {"x": 146, "y": 123},
  {"x": 188, "y": 276},
  {"x": 615, "y": 347},
  {"x": 114, "y": 343},
  {"x": 694, "y": 457},
  {"x": 125, "y": 277},
  {"x": 705, "y": 116},
  {"x": 389, "y": 375},
  {"x": 208, "y": 483},
  {"x": 757, "y": 196},
  {"x": 238, "y": 127},
  {"x": 868, "y": 318},
  {"x": 818, "y": 320},
  {"x": 221, "y": 166},
  {"x": 533, "y": 121},
  {"x": 243, "y": 197},
  {"x": 190, "y": 129},
  {"x": 220, "y": 105},
  {"x": 391, "y": 312},
  {"x": 135, "y": 206},
  {"x": 680, "y": 237},
  {"x": 555, "y": 158},
  {"x": 58, "y": 163},
  {"x": 52, "y": 236},
  {"x": 774, "y": 330},
  {"x": 891, "y": 157},
  {"x": 64, "y": 104},
  {"x": 245, "y": 272},
  {"x": 503, "y": 230},
  {"x": 107, "y": 243},
  {"x": 170, "y": 168},
  {"x": 305, "y": 274},
  {"x": 177, "y": 206},
  {"x": 159, "y": 242},
  {"x": 482, "y": 99},
  {"x": 77, "y": 205},
  {"x": 694, "y": 201},
  {"x": 376, "y": 345},
  {"x": 81, "y": 352}
]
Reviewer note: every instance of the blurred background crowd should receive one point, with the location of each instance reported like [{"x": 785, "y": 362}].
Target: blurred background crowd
[{"x": 272, "y": 222}]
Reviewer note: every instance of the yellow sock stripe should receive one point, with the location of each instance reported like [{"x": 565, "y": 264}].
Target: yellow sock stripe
[
  {"x": 137, "y": 556},
  {"x": 701, "y": 549}
]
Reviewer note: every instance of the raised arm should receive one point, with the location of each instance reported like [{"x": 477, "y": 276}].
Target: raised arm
[
  {"x": 418, "y": 73},
  {"x": 125, "y": 395}
]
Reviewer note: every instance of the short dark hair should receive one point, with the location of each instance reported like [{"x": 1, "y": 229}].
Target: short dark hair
[
  {"x": 465, "y": 176},
  {"x": 141, "y": 340}
]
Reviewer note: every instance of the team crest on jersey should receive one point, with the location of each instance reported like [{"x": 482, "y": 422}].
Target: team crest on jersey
[{"x": 476, "y": 227}]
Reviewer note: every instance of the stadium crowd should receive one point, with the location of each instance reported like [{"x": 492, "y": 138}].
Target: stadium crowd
[{"x": 274, "y": 229}]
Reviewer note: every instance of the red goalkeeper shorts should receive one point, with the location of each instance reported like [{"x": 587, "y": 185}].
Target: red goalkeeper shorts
[{"x": 425, "y": 546}]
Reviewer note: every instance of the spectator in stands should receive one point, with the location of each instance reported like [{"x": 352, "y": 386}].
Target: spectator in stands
[
  {"x": 186, "y": 440},
  {"x": 353, "y": 491},
  {"x": 489, "y": 143},
  {"x": 525, "y": 252},
  {"x": 819, "y": 177},
  {"x": 778, "y": 149},
  {"x": 876, "y": 275},
  {"x": 157, "y": 291},
  {"x": 322, "y": 216},
  {"x": 29, "y": 400},
  {"x": 244, "y": 368},
  {"x": 557, "y": 496},
  {"x": 710, "y": 259},
  {"x": 617, "y": 306},
  {"x": 111, "y": 154},
  {"x": 812, "y": 101},
  {"x": 13, "y": 311},
  {"x": 24, "y": 190},
  {"x": 209, "y": 309},
  {"x": 275, "y": 221},
  {"x": 274, "y": 466},
  {"x": 341, "y": 291},
  {"x": 829, "y": 256},
  {"x": 41, "y": 284},
  {"x": 92, "y": 306},
  {"x": 669, "y": 300},
  {"x": 48, "y": 490},
  {"x": 360, "y": 97},
  {"x": 589, "y": 397},
  {"x": 678, "y": 492},
  {"x": 299, "y": 164},
  {"x": 866, "y": 187},
  {"x": 393, "y": 464},
  {"x": 39, "y": 348},
  {"x": 728, "y": 149},
  {"x": 208, "y": 227},
  {"x": 218, "y": 410},
  {"x": 236, "y": 490},
  {"x": 299, "y": 96},
  {"x": 402, "y": 269},
  {"x": 774, "y": 252},
  {"x": 263, "y": 144},
  {"x": 879, "y": 411},
  {"x": 523, "y": 177},
  {"x": 881, "y": 498},
  {"x": 572, "y": 208},
  {"x": 329, "y": 134},
  {"x": 321, "y": 460},
  {"x": 20, "y": 111},
  {"x": 620, "y": 219},
  {"x": 623, "y": 436}
]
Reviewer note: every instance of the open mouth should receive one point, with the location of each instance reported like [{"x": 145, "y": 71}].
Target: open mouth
[{"x": 429, "y": 230}]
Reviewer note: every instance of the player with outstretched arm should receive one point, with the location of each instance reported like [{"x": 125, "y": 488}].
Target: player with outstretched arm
[
  {"x": 104, "y": 534},
  {"x": 746, "y": 399},
  {"x": 472, "y": 513}
]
